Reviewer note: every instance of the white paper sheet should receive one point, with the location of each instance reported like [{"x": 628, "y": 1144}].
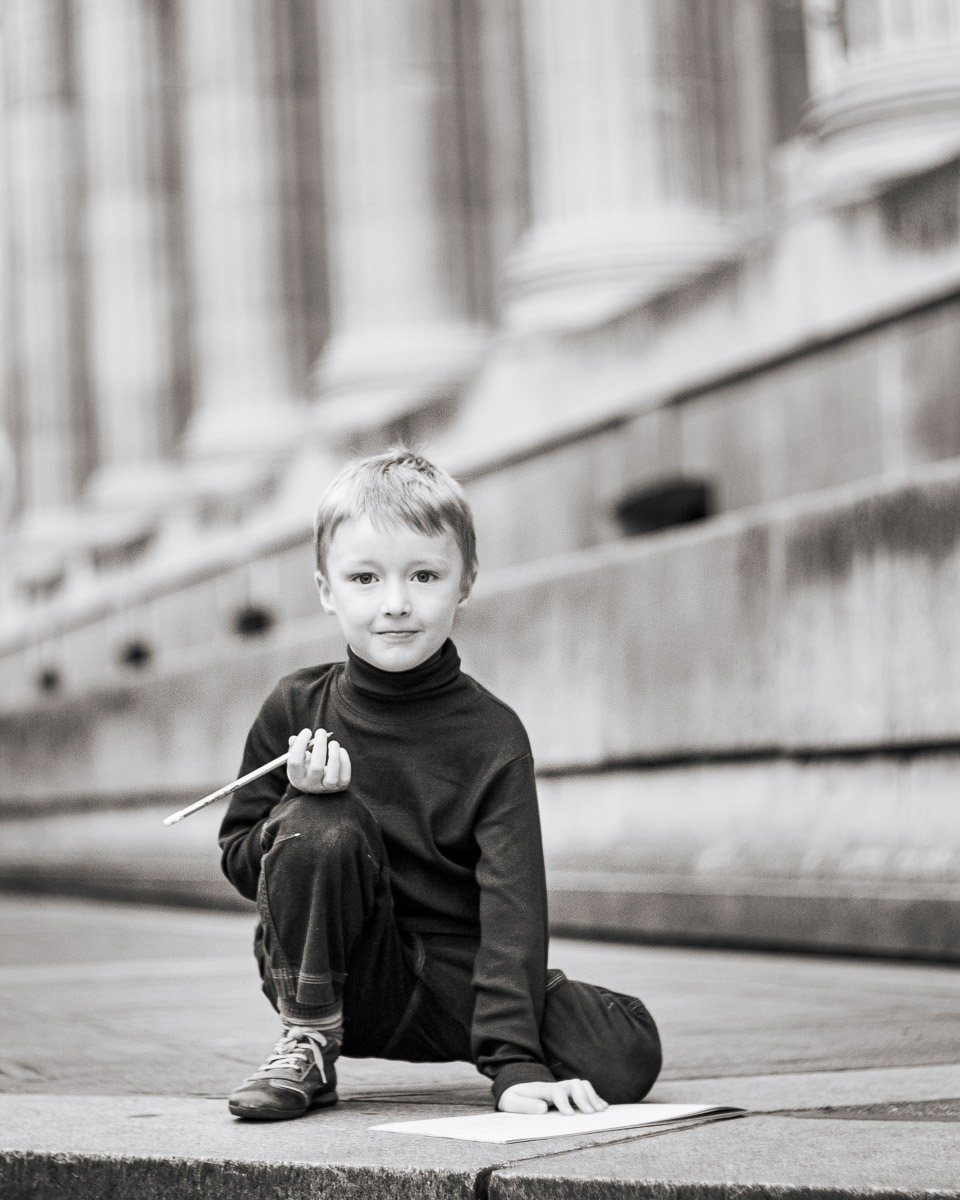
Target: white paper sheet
[{"x": 503, "y": 1127}]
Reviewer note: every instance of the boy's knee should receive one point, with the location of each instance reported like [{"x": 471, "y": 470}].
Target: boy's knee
[
  {"x": 321, "y": 828},
  {"x": 631, "y": 1075},
  {"x": 609, "y": 1038},
  {"x": 628, "y": 1063}
]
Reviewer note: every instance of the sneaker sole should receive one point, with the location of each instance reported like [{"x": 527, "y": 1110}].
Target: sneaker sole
[{"x": 322, "y": 1100}]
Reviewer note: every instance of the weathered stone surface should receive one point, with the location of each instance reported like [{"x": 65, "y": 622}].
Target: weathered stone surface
[
  {"x": 122, "y": 1028},
  {"x": 146, "y": 1144},
  {"x": 754, "y": 1157},
  {"x": 818, "y": 1091},
  {"x": 105, "y": 1000}
]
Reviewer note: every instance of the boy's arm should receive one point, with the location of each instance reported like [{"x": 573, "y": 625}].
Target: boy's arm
[
  {"x": 250, "y": 806},
  {"x": 510, "y": 971}
]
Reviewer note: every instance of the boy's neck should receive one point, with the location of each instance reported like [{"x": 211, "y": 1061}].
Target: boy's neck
[{"x": 436, "y": 673}]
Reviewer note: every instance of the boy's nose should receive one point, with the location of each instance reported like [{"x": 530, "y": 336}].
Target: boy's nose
[{"x": 396, "y": 601}]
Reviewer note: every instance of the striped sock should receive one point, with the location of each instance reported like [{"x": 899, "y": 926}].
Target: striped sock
[{"x": 330, "y": 1025}]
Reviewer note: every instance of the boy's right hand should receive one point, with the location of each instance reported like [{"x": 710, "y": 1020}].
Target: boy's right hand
[
  {"x": 324, "y": 768},
  {"x": 567, "y": 1095}
]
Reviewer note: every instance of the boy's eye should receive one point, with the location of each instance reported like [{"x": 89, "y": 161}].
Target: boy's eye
[
  {"x": 425, "y": 576},
  {"x": 363, "y": 577}
]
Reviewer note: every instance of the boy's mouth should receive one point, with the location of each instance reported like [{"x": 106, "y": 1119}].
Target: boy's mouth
[{"x": 398, "y": 635}]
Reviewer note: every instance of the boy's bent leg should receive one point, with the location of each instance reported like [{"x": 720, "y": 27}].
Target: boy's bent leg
[
  {"x": 326, "y": 935},
  {"x": 437, "y": 1028},
  {"x": 326, "y": 913},
  {"x": 591, "y": 1032}
]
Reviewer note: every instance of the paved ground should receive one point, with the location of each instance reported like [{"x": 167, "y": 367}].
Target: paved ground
[{"x": 122, "y": 1029}]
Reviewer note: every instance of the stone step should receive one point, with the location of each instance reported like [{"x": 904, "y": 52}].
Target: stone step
[
  {"x": 163, "y": 1148},
  {"x": 123, "y": 1028}
]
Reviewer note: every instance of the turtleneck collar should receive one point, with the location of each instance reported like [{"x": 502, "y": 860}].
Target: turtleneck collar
[{"x": 429, "y": 680}]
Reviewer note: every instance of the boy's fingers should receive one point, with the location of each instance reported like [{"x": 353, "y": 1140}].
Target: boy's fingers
[
  {"x": 599, "y": 1104},
  {"x": 298, "y": 749},
  {"x": 561, "y": 1099},
  {"x": 318, "y": 753},
  {"x": 346, "y": 769},
  {"x": 331, "y": 772},
  {"x": 581, "y": 1097}
]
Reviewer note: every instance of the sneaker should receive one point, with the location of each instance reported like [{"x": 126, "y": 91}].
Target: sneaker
[{"x": 298, "y": 1075}]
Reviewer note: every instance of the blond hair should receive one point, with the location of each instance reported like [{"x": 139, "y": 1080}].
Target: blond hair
[{"x": 397, "y": 487}]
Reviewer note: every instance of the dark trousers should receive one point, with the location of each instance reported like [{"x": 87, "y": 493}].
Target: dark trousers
[{"x": 328, "y": 937}]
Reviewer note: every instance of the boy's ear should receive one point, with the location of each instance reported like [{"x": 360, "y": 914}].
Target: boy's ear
[
  {"x": 466, "y": 587},
  {"x": 326, "y": 596}
]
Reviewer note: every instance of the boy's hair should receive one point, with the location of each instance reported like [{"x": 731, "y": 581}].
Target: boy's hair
[{"x": 397, "y": 487}]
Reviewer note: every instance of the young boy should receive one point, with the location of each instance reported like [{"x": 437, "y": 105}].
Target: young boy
[{"x": 396, "y": 862}]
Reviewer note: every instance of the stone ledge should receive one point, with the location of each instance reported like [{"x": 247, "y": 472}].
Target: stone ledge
[
  {"x": 754, "y": 1159},
  {"x": 86, "y": 1147},
  {"x": 161, "y": 1148}
]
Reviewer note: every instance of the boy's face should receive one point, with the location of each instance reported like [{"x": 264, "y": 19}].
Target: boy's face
[{"x": 395, "y": 591}]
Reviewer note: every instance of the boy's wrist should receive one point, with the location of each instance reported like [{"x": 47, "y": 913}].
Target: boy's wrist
[{"x": 520, "y": 1072}]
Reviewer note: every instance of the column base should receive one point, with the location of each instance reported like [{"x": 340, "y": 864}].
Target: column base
[
  {"x": 59, "y": 553},
  {"x": 893, "y": 115},
  {"x": 577, "y": 274},
  {"x": 43, "y": 544},
  {"x": 138, "y": 486},
  {"x": 247, "y": 431},
  {"x": 374, "y": 378},
  {"x": 8, "y": 479}
]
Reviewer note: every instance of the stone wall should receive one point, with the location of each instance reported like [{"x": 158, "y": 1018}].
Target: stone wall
[{"x": 754, "y": 716}]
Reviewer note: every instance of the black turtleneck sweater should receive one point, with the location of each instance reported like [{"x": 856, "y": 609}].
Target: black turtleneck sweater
[{"x": 446, "y": 770}]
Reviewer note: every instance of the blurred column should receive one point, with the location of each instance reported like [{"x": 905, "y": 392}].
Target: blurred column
[
  {"x": 240, "y": 199},
  {"x": 403, "y": 309},
  {"x": 885, "y": 83},
  {"x": 52, "y": 433},
  {"x": 307, "y": 240},
  {"x": 639, "y": 143},
  {"x": 135, "y": 358},
  {"x": 8, "y": 470},
  {"x": 495, "y": 137}
]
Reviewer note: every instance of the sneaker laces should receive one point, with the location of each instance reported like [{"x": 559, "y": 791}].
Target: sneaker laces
[{"x": 294, "y": 1049}]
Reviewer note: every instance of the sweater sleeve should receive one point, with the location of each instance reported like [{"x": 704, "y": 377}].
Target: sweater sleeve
[
  {"x": 510, "y": 971},
  {"x": 250, "y": 807}
]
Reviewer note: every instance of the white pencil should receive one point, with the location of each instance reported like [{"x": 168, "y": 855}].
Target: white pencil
[{"x": 220, "y": 793}]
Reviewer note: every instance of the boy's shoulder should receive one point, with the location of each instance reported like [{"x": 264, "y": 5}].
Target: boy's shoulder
[
  {"x": 308, "y": 676},
  {"x": 296, "y": 687},
  {"x": 496, "y": 717}
]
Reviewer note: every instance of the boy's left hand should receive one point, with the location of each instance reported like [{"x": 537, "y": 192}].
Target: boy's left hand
[
  {"x": 538, "y": 1097},
  {"x": 325, "y": 768}
]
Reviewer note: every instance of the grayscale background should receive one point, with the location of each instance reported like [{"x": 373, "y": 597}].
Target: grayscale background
[{"x": 672, "y": 286}]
